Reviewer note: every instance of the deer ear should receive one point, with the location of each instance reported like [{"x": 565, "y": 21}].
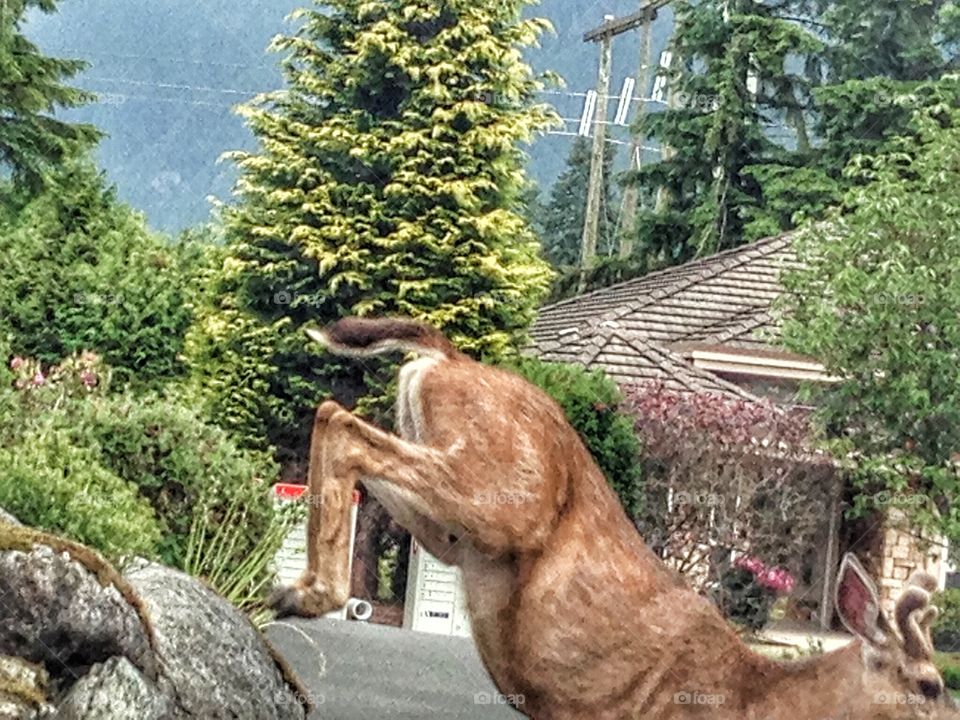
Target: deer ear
[{"x": 858, "y": 603}]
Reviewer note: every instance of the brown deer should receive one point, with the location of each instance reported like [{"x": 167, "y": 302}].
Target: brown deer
[{"x": 574, "y": 617}]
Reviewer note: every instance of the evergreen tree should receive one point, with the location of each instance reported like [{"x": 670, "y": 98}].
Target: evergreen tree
[
  {"x": 563, "y": 217},
  {"x": 730, "y": 81},
  {"x": 31, "y": 89},
  {"x": 904, "y": 40},
  {"x": 389, "y": 181},
  {"x": 81, "y": 271},
  {"x": 879, "y": 55}
]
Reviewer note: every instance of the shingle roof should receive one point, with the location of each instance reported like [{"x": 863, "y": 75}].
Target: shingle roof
[
  {"x": 727, "y": 292},
  {"x": 630, "y": 359},
  {"x": 628, "y": 328}
]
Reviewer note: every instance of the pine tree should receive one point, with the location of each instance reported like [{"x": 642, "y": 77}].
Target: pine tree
[
  {"x": 32, "y": 140},
  {"x": 882, "y": 61},
  {"x": 877, "y": 51},
  {"x": 703, "y": 195},
  {"x": 563, "y": 217},
  {"x": 389, "y": 181}
]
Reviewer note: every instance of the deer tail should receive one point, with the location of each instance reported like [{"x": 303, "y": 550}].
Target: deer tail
[{"x": 363, "y": 337}]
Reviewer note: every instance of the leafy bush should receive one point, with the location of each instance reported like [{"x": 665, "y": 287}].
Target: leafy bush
[
  {"x": 712, "y": 486},
  {"x": 590, "y": 400},
  {"x": 53, "y": 485},
  {"x": 135, "y": 473},
  {"x": 183, "y": 466},
  {"x": 81, "y": 271},
  {"x": 946, "y": 630},
  {"x": 949, "y": 666}
]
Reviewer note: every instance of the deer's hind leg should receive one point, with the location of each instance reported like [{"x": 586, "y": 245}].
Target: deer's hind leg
[{"x": 344, "y": 449}]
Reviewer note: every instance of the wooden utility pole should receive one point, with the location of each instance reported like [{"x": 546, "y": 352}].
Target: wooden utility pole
[
  {"x": 630, "y": 194},
  {"x": 591, "y": 225},
  {"x": 604, "y": 35}
]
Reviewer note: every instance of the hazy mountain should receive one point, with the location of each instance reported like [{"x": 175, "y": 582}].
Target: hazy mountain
[{"x": 169, "y": 72}]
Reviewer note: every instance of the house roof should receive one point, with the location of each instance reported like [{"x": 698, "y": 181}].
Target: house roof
[
  {"x": 636, "y": 330},
  {"x": 630, "y": 359}
]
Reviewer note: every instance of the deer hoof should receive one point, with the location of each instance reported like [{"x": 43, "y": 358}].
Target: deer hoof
[{"x": 287, "y": 601}]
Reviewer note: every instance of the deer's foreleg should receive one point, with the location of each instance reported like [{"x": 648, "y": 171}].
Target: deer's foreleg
[{"x": 345, "y": 449}]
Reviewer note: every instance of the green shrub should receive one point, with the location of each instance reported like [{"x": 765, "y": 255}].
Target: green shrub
[
  {"x": 53, "y": 485},
  {"x": 80, "y": 271},
  {"x": 946, "y": 630},
  {"x": 179, "y": 461},
  {"x": 949, "y": 666},
  {"x": 590, "y": 400}
]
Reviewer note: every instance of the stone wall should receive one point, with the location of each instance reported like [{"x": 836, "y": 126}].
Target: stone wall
[{"x": 902, "y": 552}]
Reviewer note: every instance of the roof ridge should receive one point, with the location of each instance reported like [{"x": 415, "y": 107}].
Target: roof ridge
[{"x": 681, "y": 369}]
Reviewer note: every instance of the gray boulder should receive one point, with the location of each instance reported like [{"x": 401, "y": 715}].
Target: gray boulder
[
  {"x": 8, "y": 518},
  {"x": 156, "y": 644},
  {"x": 116, "y": 690},
  {"x": 218, "y": 663},
  {"x": 57, "y": 613}
]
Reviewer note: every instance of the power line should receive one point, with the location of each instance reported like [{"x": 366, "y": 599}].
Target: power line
[{"x": 175, "y": 86}]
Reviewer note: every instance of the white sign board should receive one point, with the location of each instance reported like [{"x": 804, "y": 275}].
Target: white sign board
[{"x": 435, "y": 601}]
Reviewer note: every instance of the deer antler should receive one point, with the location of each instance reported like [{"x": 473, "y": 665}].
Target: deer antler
[{"x": 915, "y": 616}]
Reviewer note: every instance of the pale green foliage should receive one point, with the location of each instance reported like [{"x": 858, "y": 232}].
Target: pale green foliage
[
  {"x": 878, "y": 302},
  {"x": 389, "y": 181}
]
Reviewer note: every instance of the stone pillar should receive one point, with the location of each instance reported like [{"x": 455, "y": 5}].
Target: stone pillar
[{"x": 902, "y": 552}]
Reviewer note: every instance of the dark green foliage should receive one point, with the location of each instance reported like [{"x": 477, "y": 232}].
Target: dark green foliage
[
  {"x": 705, "y": 188},
  {"x": 591, "y": 400},
  {"x": 897, "y": 39},
  {"x": 878, "y": 302},
  {"x": 562, "y": 219},
  {"x": 949, "y": 666},
  {"x": 946, "y": 630},
  {"x": 32, "y": 140},
  {"x": 181, "y": 464},
  {"x": 81, "y": 272},
  {"x": 389, "y": 182}
]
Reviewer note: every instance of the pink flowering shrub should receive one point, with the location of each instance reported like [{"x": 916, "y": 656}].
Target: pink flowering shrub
[
  {"x": 749, "y": 588},
  {"x": 724, "y": 476}
]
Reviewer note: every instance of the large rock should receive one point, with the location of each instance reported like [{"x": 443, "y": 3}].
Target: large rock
[
  {"x": 155, "y": 644},
  {"x": 57, "y": 613},
  {"x": 116, "y": 690},
  {"x": 214, "y": 657},
  {"x": 8, "y": 518}
]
